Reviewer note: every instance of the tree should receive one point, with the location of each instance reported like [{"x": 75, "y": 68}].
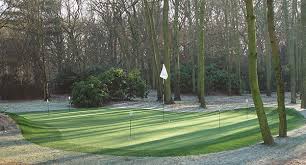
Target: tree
[
  {"x": 192, "y": 45},
  {"x": 36, "y": 29},
  {"x": 156, "y": 55},
  {"x": 235, "y": 22},
  {"x": 227, "y": 9},
  {"x": 167, "y": 85},
  {"x": 198, "y": 30},
  {"x": 5, "y": 6},
  {"x": 77, "y": 36},
  {"x": 303, "y": 17},
  {"x": 299, "y": 49},
  {"x": 176, "y": 53},
  {"x": 268, "y": 60},
  {"x": 291, "y": 48},
  {"x": 253, "y": 77},
  {"x": 72, "y": 27},
  {"x": 201, "y": 71},
  {"x": 278, "y": 71}
]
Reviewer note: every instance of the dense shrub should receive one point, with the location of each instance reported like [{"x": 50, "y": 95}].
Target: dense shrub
[
  {"x": 115, "y": 80},
  {"x": 186, "y": 78},
  {"x": 89, "y": 93},
  {"x": 136, "y": 85},
  {"x": 216, "y": 79},
  {"x": 114, "y": 84}
]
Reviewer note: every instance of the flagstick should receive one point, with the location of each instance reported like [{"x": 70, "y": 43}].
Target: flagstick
[
  {"x": 130, "y": 127},
  {"x": 131, "y": 116},
  {"x": 48, "y": 106},
  {"x": 164, "y": 76},
  {"x": 247, "y": 102},
  {"x": 219, "y": 117},
  {"x": 164, "y": 100},
  {"x": 69, "y": 98}
]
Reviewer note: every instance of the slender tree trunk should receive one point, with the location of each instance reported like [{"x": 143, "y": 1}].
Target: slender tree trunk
[
  {"x": 194, "y": 83},
  {"x": 278, "y": 71},
  {"x": 292, "y": 54},
  {"x": 198, "y": 27},
  {"x": 41, "y": 49},
  {"x": 235, "y": 22},
  {"x": 303, "y": 17},
  {"x": 202, "y": 55},
  {"x": 268, "y": 62},
  {"x": 176, "y": 54},
  {"x": 155, "y": 48},
  {"x": 253, "y": 77},
  {"x": 192, "y": 49},
  {"x": 167, "y": 85},
  {"x": 300, "y": 50},
  {"x": 153, "y": 66},
  {"x": 268, "y": 57},
  {"x": 227, "y": 45}
]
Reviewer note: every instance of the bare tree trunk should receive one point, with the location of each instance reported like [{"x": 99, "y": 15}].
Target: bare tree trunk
[
  {"x": 278, "y": 71},
  {"x": 227, "y": 45},
  {"x": 167, "y": 85},
  {"x": 268, "y": 60},
  {"x": 253, "y": 77},
  {"x": 202, "y": 55},
  {"x": 155, "y": 48},
  {"x": 176, "y": 54},
  {"x": 238, "y": 48},
  {"x": 198, "y": 27},
  {"x": 292, "y": 52},
  {"x": 303, "y": 17},
  {"x": 191, "y": 49}
]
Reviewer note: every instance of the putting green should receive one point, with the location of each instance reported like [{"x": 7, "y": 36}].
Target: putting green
[{"x": 107, "y": 131}]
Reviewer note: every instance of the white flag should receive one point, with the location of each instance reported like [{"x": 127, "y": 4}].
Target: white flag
[{"x": 164, "y": 74}]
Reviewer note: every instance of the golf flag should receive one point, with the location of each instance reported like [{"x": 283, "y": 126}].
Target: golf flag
[{"x": 164, "y": 74}]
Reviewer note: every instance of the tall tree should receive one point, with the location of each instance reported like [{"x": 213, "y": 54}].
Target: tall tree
[
  {"x": 227, "y": 10},
  {"x": 201, "y": 71},
  {"x": 236, "y": 36},
  {"x": 268, "y": 60},
  {"x": 167, "y": 85},
  {"x": 192, "y": 45},
  {"x": 299, "y": 49},
  {"x": 153, "y": 38},
  {"x": 303, "y": 17},
  {"x": 292, "y": 52},
  {"x": 37, "y": 31},
  {"x": 253, "y": 77},
  {"x": 198, "y": 30},
  {"x": 176, "y": 52},
  {"x": 72, "y": 27},
  {"x": 278, "y": 71}
]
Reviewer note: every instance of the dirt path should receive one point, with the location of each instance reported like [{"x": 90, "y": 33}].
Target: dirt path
[{"x": 15, "y": 150}]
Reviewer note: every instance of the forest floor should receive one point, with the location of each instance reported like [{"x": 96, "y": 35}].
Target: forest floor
[{"x": 292, "y": 150}]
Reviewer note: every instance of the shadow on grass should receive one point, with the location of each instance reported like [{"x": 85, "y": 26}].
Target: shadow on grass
[{"x": 192, "y": 143}]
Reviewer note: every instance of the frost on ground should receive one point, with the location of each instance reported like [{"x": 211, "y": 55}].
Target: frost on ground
[
  {"x": 15, "y": 150},
  {"x": 57, "y": 103},
  {"x": 189, "y": 103}
]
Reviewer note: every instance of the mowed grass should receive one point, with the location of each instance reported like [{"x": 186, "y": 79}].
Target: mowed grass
[{"x": 107, "y": 131}]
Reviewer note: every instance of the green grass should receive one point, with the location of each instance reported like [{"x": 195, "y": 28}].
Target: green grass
[{"x": 106, "y": 131}]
